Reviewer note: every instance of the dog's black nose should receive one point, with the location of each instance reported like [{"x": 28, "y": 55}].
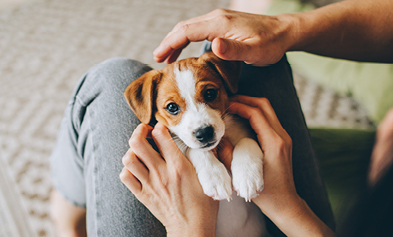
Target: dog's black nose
[{"x": 205, "y": 134}]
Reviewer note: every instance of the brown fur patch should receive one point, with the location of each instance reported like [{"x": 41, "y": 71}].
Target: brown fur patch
[
  {"x": 168, "y": 92},
  {"x": 149, "y": 96}
]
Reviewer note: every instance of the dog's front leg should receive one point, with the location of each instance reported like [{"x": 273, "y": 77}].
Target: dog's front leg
[
  {"x": 247, "y": 170},
  {"x": 212, "y": 174}
]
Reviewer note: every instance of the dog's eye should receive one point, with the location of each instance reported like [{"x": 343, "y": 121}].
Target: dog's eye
[
  {"x": 173, "y": 108},
  {"x": 210, "y": 95}
]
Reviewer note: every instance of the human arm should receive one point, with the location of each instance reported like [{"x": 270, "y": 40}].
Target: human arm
[
  {"x": 279, "y": 200},
  {"x": 167, "y": 184},
  {"x": 354, "y": 29},
  {"x": 357, "y": 30},
  {"x": 382, "y": 154}
]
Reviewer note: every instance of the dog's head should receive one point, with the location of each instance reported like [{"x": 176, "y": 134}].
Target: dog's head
[{"x": 190, "y": 97}]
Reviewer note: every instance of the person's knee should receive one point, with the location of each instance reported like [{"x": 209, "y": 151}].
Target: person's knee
[
  {"x": 120, "y": 63},
  {"x": 102, "y": 91},
  {"x": 117, "y": 73}
]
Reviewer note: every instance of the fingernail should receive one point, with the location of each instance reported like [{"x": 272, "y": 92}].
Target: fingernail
[
  {"x": 126, "y": 159},
  {"x": 122, "y": 173},
  {"x": 159, "y": 125},
  {"x": 223, "y": 46},
  {"x": 157, "y": 51}
]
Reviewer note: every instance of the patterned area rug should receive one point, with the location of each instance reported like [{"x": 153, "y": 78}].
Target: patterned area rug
[
  {"x": 45, "y": 47},
  {"x": 14, "y": 220},
  {"x": 323, "y": 108}
]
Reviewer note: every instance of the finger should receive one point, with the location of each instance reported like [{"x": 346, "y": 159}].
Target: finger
[
  {"x": 130, "y": 181},
  {"x": 194, "y": 32},
  {"x": 205, "y": 17},
  {"x": 264, "y": 105},
  {"x": 165, "y": 143},
  {"x": 173, "y": 56},
  {"x": 236, "y": 50},
  {"x": 135, "y": 166},
  {"x": 141, "y": 147},
  {"x": 164, "y": 57},
  {"x": 265, "y": 133},
  {"x": 225, "y": 151}
]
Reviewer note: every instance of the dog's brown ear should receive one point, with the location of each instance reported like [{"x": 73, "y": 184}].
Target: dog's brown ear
[
  {"x": 229, "y": 70},
  {"x": 140, "y": 95}
]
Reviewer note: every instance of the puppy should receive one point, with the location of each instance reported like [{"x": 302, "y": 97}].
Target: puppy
[{"x": 190, "y": 97}]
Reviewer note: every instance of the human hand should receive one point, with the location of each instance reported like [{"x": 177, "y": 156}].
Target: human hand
[
  {"x": 382, "y": 154},
  {"x": 167, "y": 184},
  {"x": 256, "y": 39},
  {"x": 279, "y": 200},
  {"x": 276, "y": 146}
]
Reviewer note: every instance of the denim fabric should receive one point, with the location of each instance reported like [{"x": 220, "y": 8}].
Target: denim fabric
[{"x": 93, "y": 138}]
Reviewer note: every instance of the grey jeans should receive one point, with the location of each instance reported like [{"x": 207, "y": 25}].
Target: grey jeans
[{"x": 98, "y": 122}]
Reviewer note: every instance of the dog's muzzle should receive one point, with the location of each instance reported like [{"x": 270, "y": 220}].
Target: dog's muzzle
[{"x": 205, "y": 135}]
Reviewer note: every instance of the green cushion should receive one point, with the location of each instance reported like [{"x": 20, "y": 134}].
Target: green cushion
[
  {"x": 344, "y": 156},
  {"x": 371, "y": 84}
]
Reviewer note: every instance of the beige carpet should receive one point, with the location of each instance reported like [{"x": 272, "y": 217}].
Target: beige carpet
[
  {"x": 47, "y": 45},
  {"x": 14, "y": 220}
]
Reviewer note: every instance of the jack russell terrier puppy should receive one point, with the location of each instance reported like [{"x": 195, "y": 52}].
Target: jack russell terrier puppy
[{"x": 190, "y": 97}]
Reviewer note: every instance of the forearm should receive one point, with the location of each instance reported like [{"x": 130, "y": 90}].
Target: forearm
[
  {"x": 294, "y": 217},
  {"x": 354, "y": 29}
]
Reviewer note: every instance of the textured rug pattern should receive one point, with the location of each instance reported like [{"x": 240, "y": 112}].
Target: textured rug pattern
[
  {"x": 45, "y": 48},
  {"x": 324, "y": 108},
  {"x": 13, "y": 219}
]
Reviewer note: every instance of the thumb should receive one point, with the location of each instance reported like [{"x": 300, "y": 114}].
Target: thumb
[
  {"x": 233, "y": 50},
  {"x": 164, "y": 142}
]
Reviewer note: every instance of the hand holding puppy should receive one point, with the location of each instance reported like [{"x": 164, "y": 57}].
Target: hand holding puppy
[
  {"x": 276, "y": 146},
  {"x": 279, "y": 200},
  {"x": 167, "y": 184}
]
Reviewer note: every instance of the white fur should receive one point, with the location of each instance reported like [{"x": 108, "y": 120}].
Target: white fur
[
  {"x": 241, "y": 218},
  {"x": 197, "y": 115},
  {"x": 186, "y": 83},
  {"x": 247, "y": 165},
  {"x": 247, "y": 171},
  {"x": 212, "y": 174},
  {"x": 237, "y": 218}
]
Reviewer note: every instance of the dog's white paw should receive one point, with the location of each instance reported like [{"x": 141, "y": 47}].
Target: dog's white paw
[
  {"x": 247, "y": 169},
  {"x": 216, "y": 182}
]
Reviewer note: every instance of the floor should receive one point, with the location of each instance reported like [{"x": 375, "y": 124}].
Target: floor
[{"x": 4, "y": 4}]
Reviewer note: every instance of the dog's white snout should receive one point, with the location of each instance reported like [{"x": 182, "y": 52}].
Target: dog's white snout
[{"x": 205, "y": 134}]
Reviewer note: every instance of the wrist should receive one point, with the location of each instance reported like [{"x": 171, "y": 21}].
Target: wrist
[
  {"x": 293, "y": 216},
  {"x": 291, "y": 24},
  {"x": 196, "y": 228},
  {"x": 197, "y": 231},
  {"x": 281, "y": 208},
  {"x": 315, "y": 31},
  {"x": 309, "y": 30},
  {"x": 292, "y": 210}
]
